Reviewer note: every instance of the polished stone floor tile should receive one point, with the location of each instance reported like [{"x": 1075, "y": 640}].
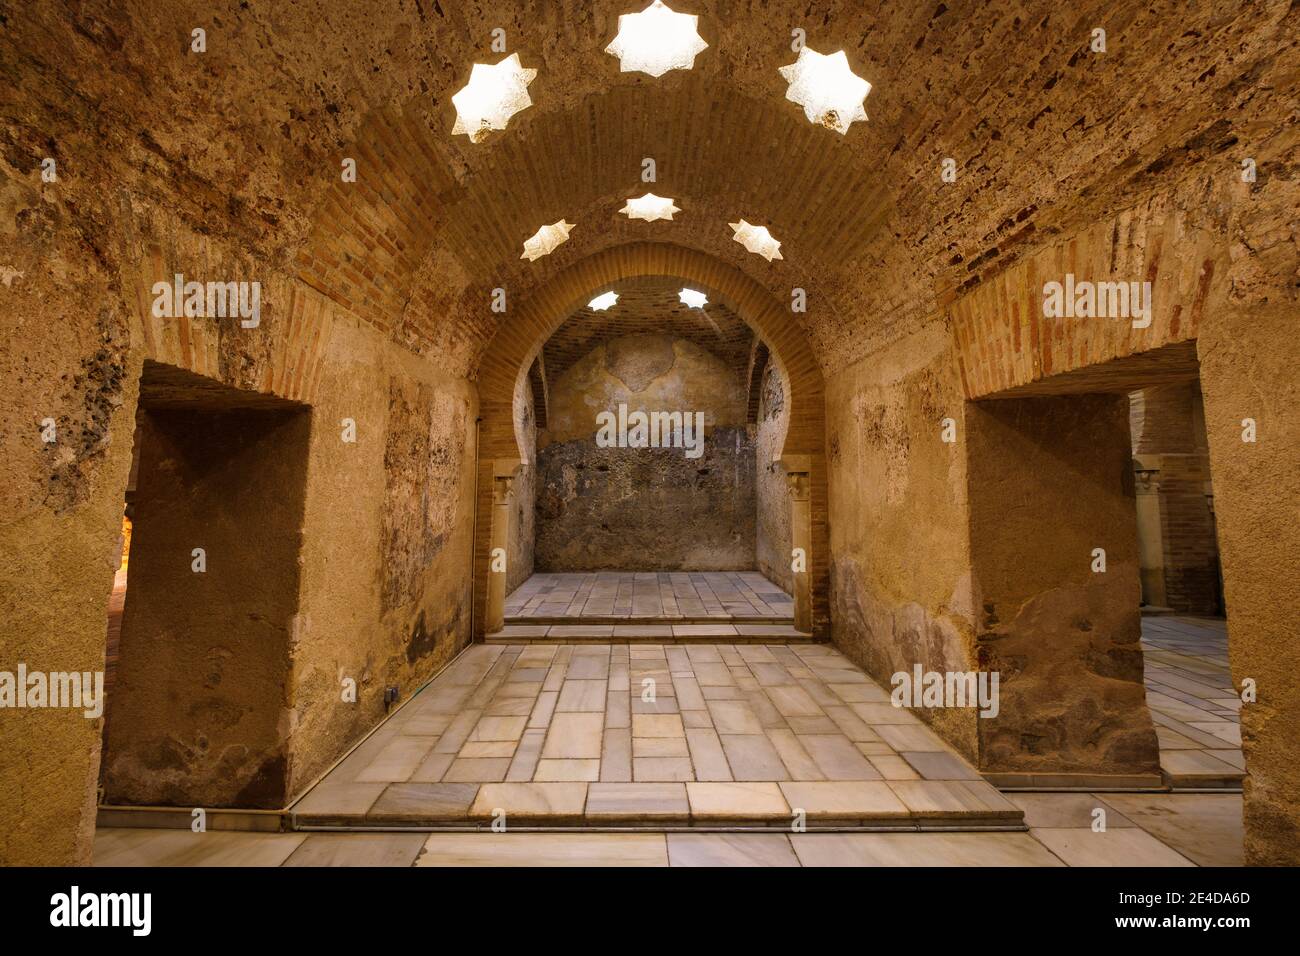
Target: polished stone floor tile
[
  {"x": 1118, "y": 846},
  {"x": 127, "y": 847},
  {"x": 357, "y": 849},
  {"x": 544, "y": 849},
  {"x": 920, "y": 849},
  {"x": 1204, "y": 827},
  {"x": 730, "y": 849}
]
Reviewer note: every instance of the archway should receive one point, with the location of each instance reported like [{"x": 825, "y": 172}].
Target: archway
[{"x": 510, "y": 355}]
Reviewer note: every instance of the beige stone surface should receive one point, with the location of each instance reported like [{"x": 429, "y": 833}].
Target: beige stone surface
[
  {"x": 921, "y": 849},
  {"x": 524, "y": 801},
  {"x": 731, "y": 801},
  {"x": 376, "y": 310},
  {"x": 184, "y": 848},
  {"x": 544, "y": 849},
  {"x": 1119, "y": 847}
]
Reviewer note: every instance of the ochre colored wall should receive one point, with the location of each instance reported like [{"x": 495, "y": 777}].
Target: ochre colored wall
[
  {"x": 383, "y": 585},
  {"x": 1051, "y": 486},
  {"x": 645, "y": 508},
  {"x": 1249, "y": 354},
  {"x": 900, "y": 565},
  {"x": 772, "y": 497},
  {"x": 200, "y": 703}
]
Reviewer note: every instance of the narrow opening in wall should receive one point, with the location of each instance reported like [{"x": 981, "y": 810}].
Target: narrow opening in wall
[
  {"x": 200, "y": 658},
  {"x": 1121, "y": 601},
  {"x": 1184, "y": 614}
]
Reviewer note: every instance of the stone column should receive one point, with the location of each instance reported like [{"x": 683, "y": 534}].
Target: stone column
[
  {"x": 1151, "y": 539},
  {"x": 798, "y": 470},
  {"x": 1248, "y": 374},
  {"x": 503, "y": 479},
  {"x": 1054, "y": 561}
]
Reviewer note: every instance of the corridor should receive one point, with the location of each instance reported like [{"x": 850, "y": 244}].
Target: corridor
[{"x": 666, "y": 432}]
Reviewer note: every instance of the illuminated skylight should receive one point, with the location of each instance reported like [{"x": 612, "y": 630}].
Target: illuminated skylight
[
  {"x": 757, "y": 238},
  {"x": 656, "y": 40},
  {"x": 830, "y": 93},
  {"x": 649, "y": 207},
  {"x": 544, "y": 240},
  {"x": 603, "y": 302},
  {"x": 696, "y": 300},
  {"x": 492, "y": 96}
]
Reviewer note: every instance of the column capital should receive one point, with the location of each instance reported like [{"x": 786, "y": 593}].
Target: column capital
[
  {"x": 797, "y": 469},
  {"x": 504, "y": 471}
]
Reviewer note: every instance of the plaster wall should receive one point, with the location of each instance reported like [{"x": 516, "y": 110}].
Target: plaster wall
[{"x": 646, "y": 508}]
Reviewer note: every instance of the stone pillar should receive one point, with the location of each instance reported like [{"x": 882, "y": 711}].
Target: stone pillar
[
  {"x": 199, "y": 715},
  {"x": 1050, "y": 490},
  {"x": 1248, "y": 359},
  {"x": 1151, "y": 540},
  {"x": 798, "y": 470},
  {"x": 503, "y": 478}
]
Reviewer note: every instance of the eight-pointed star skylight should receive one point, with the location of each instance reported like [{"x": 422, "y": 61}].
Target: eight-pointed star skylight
[
  {"x": 757, "y": 239},
  {"x": 649, "y": 207},
  {"x": 603, "y": 301},
  {"x": 830, "y": 93},
  {"x": 493, "y": 95},
  {"x": 692, "y": 298},
  {"x": 544, "y": 240},
  {"x": 656, "y": 40}
]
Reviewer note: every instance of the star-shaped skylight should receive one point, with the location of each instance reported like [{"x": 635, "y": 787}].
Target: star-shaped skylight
[
  {"x": 656, "y": 40},
  {"x": 603, "y": 302},
  {"x": 693, "y": 299},
  {"x": 544, "y": 240},
  {"x": 830, "y": 93},
  {"x": 649, "y": 207},
  {"x": 492, "y": 96},
  {"x": 757, "y": 239}
]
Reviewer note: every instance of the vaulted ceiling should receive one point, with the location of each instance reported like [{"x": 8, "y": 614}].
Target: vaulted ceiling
[
  {"x": 649, "y": 306},
  {"x": 243, "y": 143}
]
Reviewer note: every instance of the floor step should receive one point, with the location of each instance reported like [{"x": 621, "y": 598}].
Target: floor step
[
  {"x": 656, "y": 633},
  {"x": 649, "y": 619},
  {"x": 859, "y": 805},
  {"x": 1230, "y": 782},
  {"x": 969, "y": 822}
]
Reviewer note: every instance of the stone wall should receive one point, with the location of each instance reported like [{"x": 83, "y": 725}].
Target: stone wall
[
  {"x": 900, "y": 557},
  {"x": 645, "y": 508},
  {"x": 773, "y": 540},
  {"x": 1058, "y": 612},
  {"x": 384, "y": 533},
  {"x": 202, "y": 684},
  {"x": 520, "y": 550}
]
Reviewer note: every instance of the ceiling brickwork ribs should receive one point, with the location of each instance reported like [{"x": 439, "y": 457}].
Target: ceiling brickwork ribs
[
  {"x": 243, "y": 144},
  {"x": 649, "y": 306}
]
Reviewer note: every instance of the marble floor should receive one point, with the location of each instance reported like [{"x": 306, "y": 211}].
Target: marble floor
[
  {"x": 593, "y": 734},
  {"x": 1140, "y": 830},
  {"x": 647, "y": 596},
  {"x": 716, "y": 735},
  {"x": 1192, "y": 701}
]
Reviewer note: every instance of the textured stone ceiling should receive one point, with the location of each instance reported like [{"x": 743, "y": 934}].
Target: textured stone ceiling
[
  {"x": 649, "y": 306},
  {"x": 243, "y": 143}
]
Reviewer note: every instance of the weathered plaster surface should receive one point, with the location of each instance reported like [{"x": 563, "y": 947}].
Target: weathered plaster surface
[
  {"x": 646, "y": 508},
  {"x": 772, "y": 498}
]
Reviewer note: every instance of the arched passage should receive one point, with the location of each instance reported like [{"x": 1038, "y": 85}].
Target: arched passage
[{"x": 530, "y": 322}]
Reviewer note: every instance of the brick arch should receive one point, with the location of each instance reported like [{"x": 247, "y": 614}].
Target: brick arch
[{"x": 529, "y": 323}]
